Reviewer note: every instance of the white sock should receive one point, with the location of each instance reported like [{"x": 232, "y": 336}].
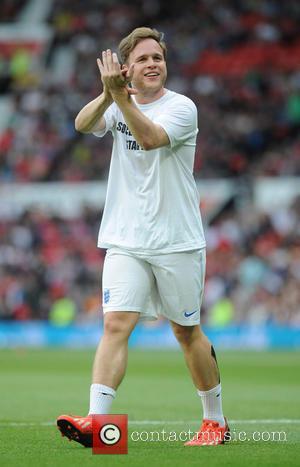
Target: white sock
[
  {"x": 101, "y": 398},
  {"x": 212, "y": 404}
]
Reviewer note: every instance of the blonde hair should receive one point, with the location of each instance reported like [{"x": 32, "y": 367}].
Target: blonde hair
[{"x": 137, "y": 35}]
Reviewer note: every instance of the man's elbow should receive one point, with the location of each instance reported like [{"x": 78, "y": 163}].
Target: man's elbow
[
  {"x": 148, "y": 145},
  {"x": 155, "y": 141},
  {"x": 79, "y": 127}
]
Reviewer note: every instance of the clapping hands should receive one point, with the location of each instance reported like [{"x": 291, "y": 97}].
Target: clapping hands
[{"x": 115, "y": 78}]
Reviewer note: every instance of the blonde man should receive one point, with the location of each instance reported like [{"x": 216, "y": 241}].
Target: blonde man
[{"x": 151, "y": 227}]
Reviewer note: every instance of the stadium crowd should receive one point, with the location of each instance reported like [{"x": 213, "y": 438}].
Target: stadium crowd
[
  {"x": 249, "y": 120},
  {"x": 9, "y": 10},
  {"x": 249, "y": 114},
  {"x": 50, "y": 268}
]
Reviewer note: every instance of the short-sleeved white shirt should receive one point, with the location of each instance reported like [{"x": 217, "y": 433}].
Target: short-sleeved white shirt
[{"x": 152, "y": 202}]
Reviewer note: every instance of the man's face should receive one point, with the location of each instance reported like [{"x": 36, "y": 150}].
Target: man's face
[{"x": 150, "y": 70}]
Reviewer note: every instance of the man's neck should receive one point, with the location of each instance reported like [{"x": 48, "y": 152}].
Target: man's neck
[{"x": 144, "y": 98}]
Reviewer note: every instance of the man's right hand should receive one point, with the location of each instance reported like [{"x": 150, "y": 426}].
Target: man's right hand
[{"x": 114, "y": 78}]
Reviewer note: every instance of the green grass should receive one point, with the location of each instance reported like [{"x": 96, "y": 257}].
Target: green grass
[{"x": 38, "y": 385}]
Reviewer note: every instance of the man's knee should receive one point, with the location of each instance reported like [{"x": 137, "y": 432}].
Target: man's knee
[
  {"x": 119, "y": 323},
  {"x": 185, "y": 334}
]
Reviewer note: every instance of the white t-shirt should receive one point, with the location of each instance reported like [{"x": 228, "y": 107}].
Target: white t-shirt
[{"x": 152, "y": 202}]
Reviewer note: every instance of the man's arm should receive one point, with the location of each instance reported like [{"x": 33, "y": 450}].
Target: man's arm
[
  {"x": 90, "y": 118},
  {"x": 147, "y": 134}
]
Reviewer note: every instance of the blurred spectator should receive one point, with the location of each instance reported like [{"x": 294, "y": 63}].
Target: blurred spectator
[
  {"x": 9, "y": 9},
  {"x": 62, "y": 312}
]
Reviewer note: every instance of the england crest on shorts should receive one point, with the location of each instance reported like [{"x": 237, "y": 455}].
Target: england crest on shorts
[{"x": 106, "y": 295}]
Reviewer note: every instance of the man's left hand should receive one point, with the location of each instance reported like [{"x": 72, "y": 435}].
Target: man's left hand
[{"x": 115, "y": 78}]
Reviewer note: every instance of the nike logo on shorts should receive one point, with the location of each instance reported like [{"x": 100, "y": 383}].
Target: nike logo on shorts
[{"x": 187, "y": 314}]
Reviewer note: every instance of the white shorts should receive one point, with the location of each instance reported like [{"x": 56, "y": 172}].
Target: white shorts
[{"x": 170, "y": 285}]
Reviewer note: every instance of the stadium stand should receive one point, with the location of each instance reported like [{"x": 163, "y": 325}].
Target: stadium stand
[
  {"x": 240, "y": 63},
  {"x": 252, "y": 269}
]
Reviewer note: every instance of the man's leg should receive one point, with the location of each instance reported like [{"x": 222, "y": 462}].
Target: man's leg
[
  {"x": 201, "y": 361},
  {"x": 127, "y": 282},
  {"x": 111, "y": 356},
  {"x": 199, "y": 355},
  {"x": 111, "y": 359},
  {"x": 109, "y": 369}
]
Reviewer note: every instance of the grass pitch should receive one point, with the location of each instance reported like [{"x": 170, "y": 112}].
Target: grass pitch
[{"x": 260, "y": 394}]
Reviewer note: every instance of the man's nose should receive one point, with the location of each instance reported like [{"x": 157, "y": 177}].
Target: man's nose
[{"x": 151, "y": 62}]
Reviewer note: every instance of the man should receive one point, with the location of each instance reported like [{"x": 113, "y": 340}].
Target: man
[{"x": 151, "y": 227}]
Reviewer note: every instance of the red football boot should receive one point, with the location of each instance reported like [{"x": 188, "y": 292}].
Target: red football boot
[
  {"x": 210, "y": 434},
  {"x": 76, "y": 429}
]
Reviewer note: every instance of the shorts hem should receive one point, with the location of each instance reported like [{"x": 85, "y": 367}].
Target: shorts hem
[
  {"x": 184, "y": 248},
  {"x": 143, "y": 316},
  {"x": 184, "y": 323},
  {"x": 122, "y": 308}
]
